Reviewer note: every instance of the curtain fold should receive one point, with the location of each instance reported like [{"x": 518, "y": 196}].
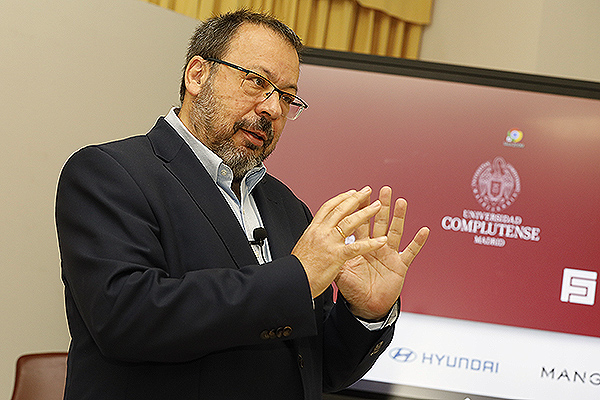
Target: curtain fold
[
  {"x": 413, "y": 11},
  {"x": 383, "y": 27}
]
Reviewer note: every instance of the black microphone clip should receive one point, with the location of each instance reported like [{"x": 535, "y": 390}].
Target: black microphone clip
[{"x": 259, "y": 234}]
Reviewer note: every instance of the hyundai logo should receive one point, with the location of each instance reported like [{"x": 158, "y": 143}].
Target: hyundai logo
[{"x": 403, "y": 354}]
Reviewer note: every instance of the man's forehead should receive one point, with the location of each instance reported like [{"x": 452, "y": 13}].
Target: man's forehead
[
  {"x": 261, "y": 40},
  {"x": 265, "y": 51}
]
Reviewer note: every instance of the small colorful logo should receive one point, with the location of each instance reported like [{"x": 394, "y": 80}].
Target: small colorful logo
[{"x": 514, "y": 138}]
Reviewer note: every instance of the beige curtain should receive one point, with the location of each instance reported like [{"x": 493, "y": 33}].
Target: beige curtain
[{"x": 383, "y": 27}]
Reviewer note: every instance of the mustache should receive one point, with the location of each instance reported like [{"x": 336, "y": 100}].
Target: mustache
[{"x": 261, "y": 124}]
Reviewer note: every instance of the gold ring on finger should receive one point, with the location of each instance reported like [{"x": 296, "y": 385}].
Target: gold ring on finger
[{"x": 340, "y": 231}]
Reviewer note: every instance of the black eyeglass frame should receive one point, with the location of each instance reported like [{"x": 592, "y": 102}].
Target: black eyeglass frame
[{"x": 301, "y": 104}]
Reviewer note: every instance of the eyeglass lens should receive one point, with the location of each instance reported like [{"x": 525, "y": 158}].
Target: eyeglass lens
[{"x": 256, "y": 86}]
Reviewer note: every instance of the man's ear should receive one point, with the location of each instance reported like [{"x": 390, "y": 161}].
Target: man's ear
[{"x": 196, "y": 73}]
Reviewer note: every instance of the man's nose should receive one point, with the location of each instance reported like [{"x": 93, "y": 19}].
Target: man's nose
[{"x": 270, "y": 106}]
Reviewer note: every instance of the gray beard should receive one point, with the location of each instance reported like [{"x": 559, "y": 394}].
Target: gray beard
[{"x": 235, "y": 158}]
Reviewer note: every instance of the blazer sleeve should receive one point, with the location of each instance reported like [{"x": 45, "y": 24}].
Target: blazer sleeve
[
  {"x": 118, "y": 282},
  {"x": 350, "y": 349}
]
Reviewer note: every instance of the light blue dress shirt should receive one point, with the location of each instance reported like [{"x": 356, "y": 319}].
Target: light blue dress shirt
[{"x": 245, "y": 208}]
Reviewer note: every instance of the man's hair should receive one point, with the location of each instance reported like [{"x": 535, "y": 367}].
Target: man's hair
[{"x": 212, "y": 38}]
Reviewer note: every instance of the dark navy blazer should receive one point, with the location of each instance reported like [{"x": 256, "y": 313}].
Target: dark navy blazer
[{"x": 165, "y": 298}]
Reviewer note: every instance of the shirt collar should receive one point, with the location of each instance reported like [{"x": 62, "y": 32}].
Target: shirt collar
[{"x": 220, "y": 173}]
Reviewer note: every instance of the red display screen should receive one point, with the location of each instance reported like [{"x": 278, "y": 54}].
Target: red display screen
[{"x": 507, "y": 180}]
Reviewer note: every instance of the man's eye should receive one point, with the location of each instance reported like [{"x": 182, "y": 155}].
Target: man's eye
[
  {"x": 258, "y": 81},
  {"x": 287, "y": 98}
]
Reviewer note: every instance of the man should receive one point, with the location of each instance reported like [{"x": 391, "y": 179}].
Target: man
[{"x": 168, "y": 293}]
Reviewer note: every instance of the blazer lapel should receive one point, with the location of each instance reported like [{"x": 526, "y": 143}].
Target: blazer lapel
[
  {"x": 182, "y": 163},
  {"x": 274, "y": 217}
]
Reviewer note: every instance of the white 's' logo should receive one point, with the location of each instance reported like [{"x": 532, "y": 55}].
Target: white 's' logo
[
  {"x": 579, "y": 286},
  {"x": 496, "y": 184}
]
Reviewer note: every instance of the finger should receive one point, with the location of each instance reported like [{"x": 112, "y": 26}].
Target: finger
[
  {"x": 358, "y": 219},
  {"x": 382, "y": 218},
  {"x": 346, "y": 208},
  {"x": 362, "y": 231},
  {"x": 397, "y": 225},
  {"x": 362, "y": 247},
  {"x": 330, "y": 204},
  {"x": 410, "y": 252}
]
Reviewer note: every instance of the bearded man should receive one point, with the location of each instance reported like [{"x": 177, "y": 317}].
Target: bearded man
[{"x": 171, "y": 294}]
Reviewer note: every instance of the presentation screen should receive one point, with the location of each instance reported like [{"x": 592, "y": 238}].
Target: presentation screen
[{"x": 505, "y": 170}]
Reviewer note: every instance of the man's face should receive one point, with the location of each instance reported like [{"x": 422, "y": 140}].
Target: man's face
[{"x": 242, "y": 130}]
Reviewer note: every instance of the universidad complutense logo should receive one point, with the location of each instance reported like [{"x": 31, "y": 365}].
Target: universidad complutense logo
[{"x": 495, "y": 185}]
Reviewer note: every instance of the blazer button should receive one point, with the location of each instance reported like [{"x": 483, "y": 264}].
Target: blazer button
[
  {"x": 300, "y": 361},
  {"x": 264, "y": 335},
  {"x": 287, "y": 331}
]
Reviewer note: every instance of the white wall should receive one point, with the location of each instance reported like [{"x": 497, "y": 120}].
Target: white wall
[
  {"x": 546, "y": 37},
  {"x": 75, "y": 72},
  {"x": 72, "y": 72},
  {"x": 569, "y": 40}
]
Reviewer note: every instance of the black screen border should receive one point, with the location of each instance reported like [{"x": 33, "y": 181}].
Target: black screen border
[{"x": 452, "y": 73}]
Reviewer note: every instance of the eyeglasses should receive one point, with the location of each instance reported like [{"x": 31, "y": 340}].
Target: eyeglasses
[{"x": 259, "y": 87}]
